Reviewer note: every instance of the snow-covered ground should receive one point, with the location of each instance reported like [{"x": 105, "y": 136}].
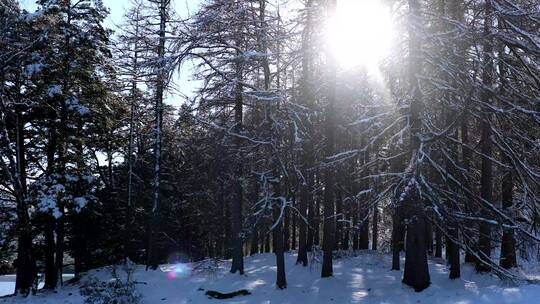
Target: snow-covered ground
[
  {"x": 364, "y": 278},
  {"x": 7, "y": 285}
]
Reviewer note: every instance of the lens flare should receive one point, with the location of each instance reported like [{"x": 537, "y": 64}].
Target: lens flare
[
  {"x": 178, "y": 271},
  {"x": 179, "y": 266}
]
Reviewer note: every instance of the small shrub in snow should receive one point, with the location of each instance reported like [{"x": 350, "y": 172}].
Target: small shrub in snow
[
  {"x": 114, "y": 291},
  {"x": 208, "y": 267},
  {"x": 315, "y": 256}
]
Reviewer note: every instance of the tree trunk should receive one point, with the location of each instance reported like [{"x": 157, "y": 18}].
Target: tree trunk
[
  {"x": 25, "y": 263},
  {"x": 293, "y": 235},
  {"x": 51, "y": 277},
  {"x": 281, "y": 281},
  {"x": 50, "y": 268},
  {"x": 286, "y": 232},
  {"x": 484, "y": 238},
  {"x": 237, "y": 256},
  {"x": 302, "y": 233},
  {"x": 364, "y": 211},
  {"x": 508, "y": 243},
  {"x": 397, "y": 232},
  {"x": 153, "y": 257},
  {"x": 329, "y": 171},
  {"x": 339, "y": 220},
  {"x": 375, "y": 228},
  {"x": 438, "y": 243},
  {"x": 416, "y": 272}
]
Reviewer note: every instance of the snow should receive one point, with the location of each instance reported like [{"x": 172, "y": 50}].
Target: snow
[
  {"x": 6, "y": 288},
  {"x": 74, "y": 105},
  {"x": 80, "y": 203},
  {"x": 364, "y": 278},
  {"x": 33, "y": 68},
  {"x": 53, "y": 90}
]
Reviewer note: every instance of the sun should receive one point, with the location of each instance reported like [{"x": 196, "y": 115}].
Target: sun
[{"x": 360, "y": 33}]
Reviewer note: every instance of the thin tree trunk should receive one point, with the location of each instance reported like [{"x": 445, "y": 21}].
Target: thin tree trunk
[
  {"x": 329, "y": 178},
  {"x": 397, "y": 231},
  {"x": 375, "y": 228},
  {"x": 364, "y": 214},
  {"x": 305, "y": 234},
  {"x": 486, "y": 187},
  {"x": 237, "y": 256},
  {"x": 339, "y": 220},
  {"x": 129, "y": 208},
  {"x": 508, "y": 243},
  {"x": 153, "y": 257},
  {"x": 50, "y": 222},
  {"x": 281, "y": 281},
  {"x": 293, "y": 235},
  {"x": 438, "y": 243}
]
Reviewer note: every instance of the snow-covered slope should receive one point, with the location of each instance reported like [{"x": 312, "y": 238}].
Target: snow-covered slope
[{"x": 364, "y": 278}]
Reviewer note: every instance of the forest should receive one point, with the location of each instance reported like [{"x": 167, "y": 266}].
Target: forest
[{"x": 313, "y": 130}]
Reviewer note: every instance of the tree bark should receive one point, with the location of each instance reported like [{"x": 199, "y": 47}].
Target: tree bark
[
  {"x": 329, "y": 178},
  {"x": 416, "y": 272},
  {"x": 508, "y": 243},
  {"x": 486, "y": 187},
  {"x": 153, "y": 257}
]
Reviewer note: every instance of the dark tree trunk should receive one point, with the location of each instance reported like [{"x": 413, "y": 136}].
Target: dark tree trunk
[
  {"x": 355, "y": 225},
  {"x": 339, "y": 220},
  {"x": 59, "y": 251},
  {"x": 465, "y": 160},
  {"x": 237, "y": 242},
  {"x": 267, "y": 248},
  {"x": 153, "y": 257},
  {"x": 317, "y": 223},
  {"x": 237, "y": 264},
  {"x": 453, "y": 253},
  {"x": 347, "y": 231},
  {"x": 26, "y": 264},
  {"x": 416, "y": 272},
  {"x": 329, "y": 172},
  {"x": 302, "y": 233},
  {"x": 364, "y": 211},
  {"x": 508, "y": 243},
  {"x": 293, "y": 232},
  {"x": 226, "y": 213},
  {"x": 397, "y": 232},
  {"x": 452, "y": 246},
  {"x": 254, "y": 249},
  {"x": 486, "y": 187},
  {"x": 311, "y": 227},
  {"x": 429, "y": 237},
  {"x": 286, "y": 232},
  {"x": 281, "y": 281},
  {"x": 375, "y": 228},
  {"x": 305, "y": 233},
  {"x": 51, "y": 278},
  {"x": 438, "y": 243}
]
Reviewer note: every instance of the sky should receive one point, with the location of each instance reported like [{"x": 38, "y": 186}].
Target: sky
[{"x": 117, "y": 8}]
